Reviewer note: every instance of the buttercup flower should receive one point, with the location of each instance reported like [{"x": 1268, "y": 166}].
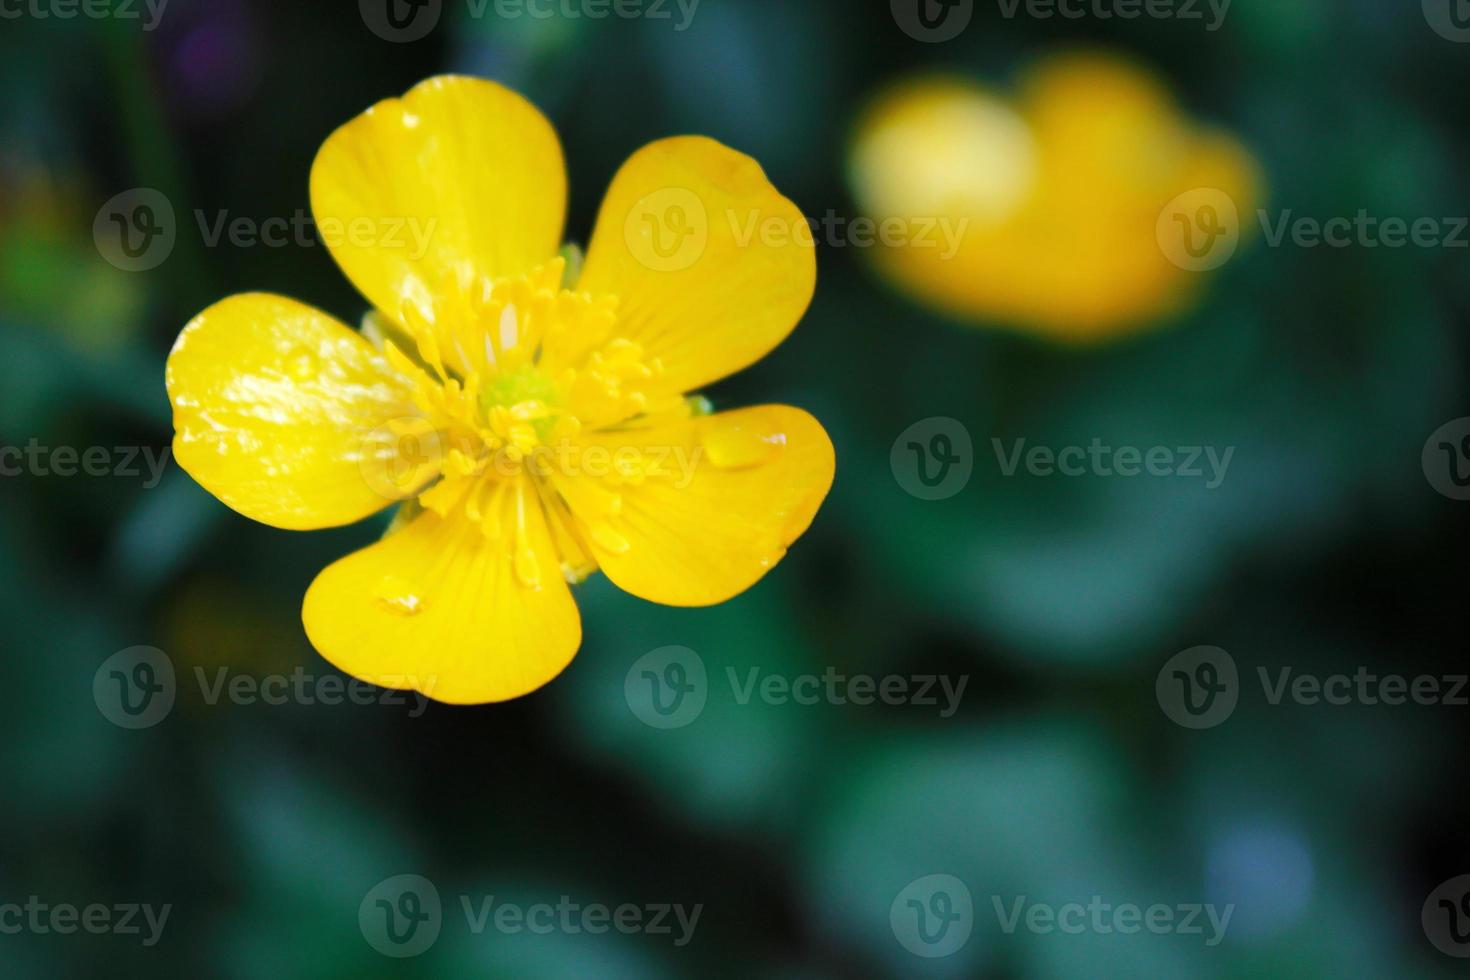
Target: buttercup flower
[
  {"x": 1067, "y": 202},
  {"x": 534, "y": 419}
]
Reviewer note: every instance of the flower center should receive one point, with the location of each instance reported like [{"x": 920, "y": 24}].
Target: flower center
[
  {"x": 522, "y": 394},
  {"x": 522, "y": 386},
  {"x": 508, "y": 373}
]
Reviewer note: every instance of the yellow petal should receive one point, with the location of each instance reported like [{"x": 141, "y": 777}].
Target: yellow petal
[
  {"x": 441, "y": 608},
  {"x": 281, "y": 412},
  {"x": 459, "y": 179},
  {"x": 711, "y": 265},
  {"x": 693, "y": 512}
]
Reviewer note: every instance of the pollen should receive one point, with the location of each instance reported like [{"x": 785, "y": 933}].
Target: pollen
[{"x": 505, "y": 412}]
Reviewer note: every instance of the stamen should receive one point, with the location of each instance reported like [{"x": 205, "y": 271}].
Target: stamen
[
  {"x": 508, "y": 327},
  {"x": 552, "y": 366},
  {"x": 527, "y": 570}
]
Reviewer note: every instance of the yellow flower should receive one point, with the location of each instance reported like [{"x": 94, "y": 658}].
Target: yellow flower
[
  {"x": 1049, "y": 212},
  {"x": 537, "y": 428}
]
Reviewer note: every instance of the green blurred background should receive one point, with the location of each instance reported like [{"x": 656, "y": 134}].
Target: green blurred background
[{"x": 795, "y": 827}]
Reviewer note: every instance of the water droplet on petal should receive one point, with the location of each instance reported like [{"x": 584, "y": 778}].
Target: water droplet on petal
[
  {"x": 304, "y": 365},
  {"x": 527, "y": 569},
  {"x": 509, "y": 332},
  {"x": 398, "y": 596},
  {"x": 730, "y": 444},
  {"x": 609, "y": 539}
]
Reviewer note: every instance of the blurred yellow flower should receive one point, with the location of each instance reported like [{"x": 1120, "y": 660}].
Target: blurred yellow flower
[
  {"x": 1069, "y": 207},
  {"x": 49, "y": 274},
  {"x": 537, "y": 427}
]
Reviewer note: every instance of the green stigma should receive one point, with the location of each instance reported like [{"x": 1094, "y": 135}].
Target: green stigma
[
  {"x": 518, "y": 386},
  {"x": 523, "y": 384}
]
